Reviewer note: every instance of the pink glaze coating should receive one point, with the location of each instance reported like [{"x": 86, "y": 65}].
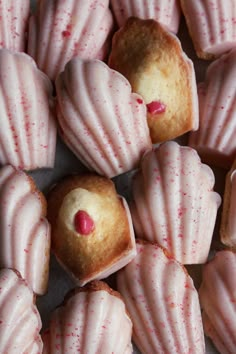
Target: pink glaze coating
[
  {"x": 61, "y": 30},
  {"x": 13, "y": 24},
  {"x": 174, "y": 202},
  {"x": 101, "y": 121},
  {"x": 215, "y": 138},
  {"x": 90, "y": 322},
  {"x": 218, "y": 300},
  {"x": 212, "y": 25},
  {"x": 162, "y": 302},
  {"x": 28, "y": 129},
  {"x": 163, "y": 11},
  {"x": 25, "y": 233},
  {"x": 20, "y": 321}
]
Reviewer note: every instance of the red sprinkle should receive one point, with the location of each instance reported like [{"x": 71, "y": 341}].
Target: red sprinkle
[
  {"x": 66, "y": 33},
  {"x": 84, "y": 224},
  {"x": 139, "y": 100},
  {"x": 156, "y": 107}
]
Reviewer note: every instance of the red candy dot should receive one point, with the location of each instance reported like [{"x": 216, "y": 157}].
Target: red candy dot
[
  {"x": 83, "y": 223},
  {"x": 156, "y": 107}
]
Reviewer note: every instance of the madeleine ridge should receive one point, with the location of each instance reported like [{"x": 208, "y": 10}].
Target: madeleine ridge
[
  {"x": 165, "y": 12},
  {"x": 61, "y": 30},
  {"x": 20, "y": 322},
  {"x": 162, "y": 302},
  {"x": 25, "y": 232},
  {"x": 92, "y": 232},
  {"x": 92, "y": 319},
  {"x": 228, "y": 220},
  {"x": 100, "y": 119},
  {"x": 174, "y": 203},
  {"x": 14, "y": 17},
  {"x": 215, "y": 139},
  {"x": 218, "y": 300},
  {"x": 212, "y": 26},
  {"x": 28, "y": 127}
]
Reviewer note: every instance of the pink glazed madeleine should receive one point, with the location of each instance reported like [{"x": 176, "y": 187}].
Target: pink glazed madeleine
[
  {"x": 218, "y": 300},
  {"x": 174, "y": 203},
  {"x": 162, "y": 302},
  {"x": 20, "y": 321},
  {"x": 14, "y": 17},
  {"x": 228, "y": 217},
  {"x": 28, "y": 129},
  {"x": 25, "y": 233},
  {"x": 165, "y": 12},
  {"x": 92, "y": 320},
  {"x": 61, "y": 30},
  {"x": 215, "y": 139},
  {"x": 100, "y": 120},
  {"x": 212, "y": 26}
]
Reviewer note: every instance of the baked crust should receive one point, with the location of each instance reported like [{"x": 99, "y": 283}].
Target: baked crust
[
  {"x": 153, "y": 61},
  {"x": 89, "y": 257}
]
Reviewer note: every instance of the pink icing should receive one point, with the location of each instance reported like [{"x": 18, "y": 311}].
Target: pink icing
[
  {"x": 187, "y": 203},
  {"x": 84, "y": 224},
  {"x": 165, "y": 12},
  {"x": 112, "y": 138},
  {"x": 156, "y": 107}
]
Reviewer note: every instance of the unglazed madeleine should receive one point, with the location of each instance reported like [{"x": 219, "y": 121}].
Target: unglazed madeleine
[
  {"x": 162, "y": 302},
  {"x": 25, "y": 233},
  {"x": 218, "y": 300},
  {"x": 101, "y": 121},
  {"x": 61, "y": 30},
  {"x": 165, "y": 12},
  {"x": 92, "y": 231},
  {"x": 215, "y": 139},
  {"x": 92, "y": 320},
  {"x": 228, "y": 217},
  {"x": 20, "y": 321},
  {"x": 153, "y": 61},
  {"x": 28, "y": 130},
  {"x": 174, "y": 203},
  {"x": 212, "y": 26},
  {"x": 14, "y": 23}
]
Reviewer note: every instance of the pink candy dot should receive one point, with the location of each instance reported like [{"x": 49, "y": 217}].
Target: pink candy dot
[
  {"x": 156, "y": 107},
  {"x": 83, "y": 223}
]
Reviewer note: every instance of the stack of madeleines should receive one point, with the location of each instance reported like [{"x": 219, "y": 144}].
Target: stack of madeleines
[{"x": 112, "y": 80}]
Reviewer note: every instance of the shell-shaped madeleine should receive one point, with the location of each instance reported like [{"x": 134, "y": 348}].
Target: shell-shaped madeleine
[
  {"x": 162, "y": 302},
  {"x": 28, "y": 129},
  {"x": 165, "y": 12},
  {"x": 25, "y": 233},
  {"x": 92, "y": 320},
  {"x": 153, "y": 61},
  {"x": 101, "y": 121},
  {"x": 61, "y": 30},
  {"x": 20, "y": 321},
  {"x": 174, "y": 202},
  {"x": 218, "y": 300},
  {"x": 13, "y": 24},
  {"x": 212, "y": 26},
  {"x": 215, "y": 138},
  {"x": 92, "y": 231},
  {"x": 228, "y": 217}
]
